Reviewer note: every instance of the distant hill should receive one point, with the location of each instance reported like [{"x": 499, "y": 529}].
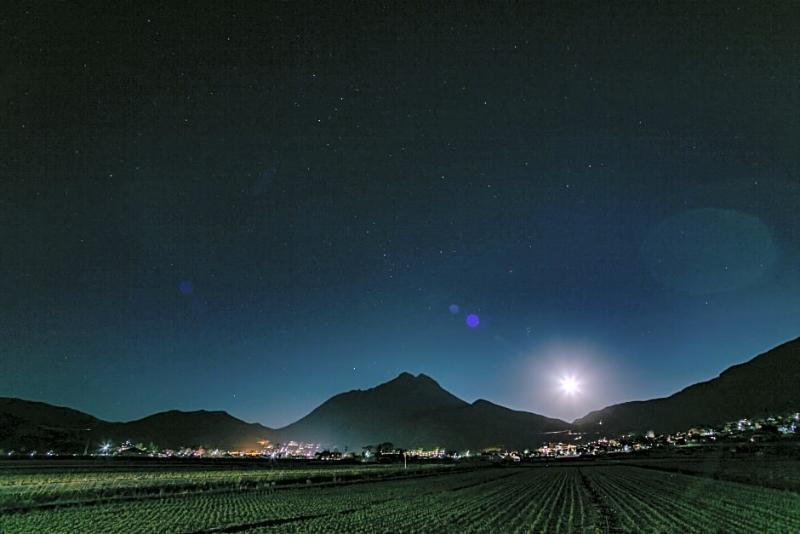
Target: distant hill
[
  {"x": 767, "y": 384},
  {"x": 28, "y": 425},
  {"x": 41, "y": 413},
  {"x": 174, "y": 429},
  {"x": 416, "y": 411}
]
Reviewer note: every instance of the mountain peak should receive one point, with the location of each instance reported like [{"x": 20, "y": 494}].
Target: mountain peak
[
  {"x": 407, "y": 383},
  {"x": 405, "y": 376},
  {"x": 390, "y": 411},
  {"x": 423, "y": 376}
]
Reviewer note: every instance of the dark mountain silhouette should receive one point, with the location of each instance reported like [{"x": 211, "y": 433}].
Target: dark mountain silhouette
[
  {"x": 767, "y": 384},
  {"x": 28, "y": 425},
  {"x": 41, "y": 413},
  {"x": 409, "y": 411},
  {"x": 484, "y": 424},
  {"x": 414, "y": 411},
  {"x": 175, "y": 429}
]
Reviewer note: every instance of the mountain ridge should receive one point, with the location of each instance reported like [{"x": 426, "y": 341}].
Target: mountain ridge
[
  {"x": 763, "y": 385},
  {"x": 48, "y": 428},
  {"x": 415, "y": 411}
]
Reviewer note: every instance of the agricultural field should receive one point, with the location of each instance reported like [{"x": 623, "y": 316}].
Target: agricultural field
[
  {"x": 556, "y": 498},
  {"x": 50, "y": 484},
  {"x": 779, "y": 472}
]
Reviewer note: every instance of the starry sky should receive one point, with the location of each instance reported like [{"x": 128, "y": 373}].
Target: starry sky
[{"x": 252, "y": 207}]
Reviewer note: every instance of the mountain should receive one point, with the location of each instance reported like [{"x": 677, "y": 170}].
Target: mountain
[
  {"x": 28, "y": 425},
  {"x": 416, "y": 411},
  {"x": 767, "y": 384},
  {"x": 175, "y": 429},
  {"x": 409, "y": 411},
  {"x": 47, "y": 415}
]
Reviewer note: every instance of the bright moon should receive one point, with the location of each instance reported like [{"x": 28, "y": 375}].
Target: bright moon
[{"x": 569, "y": 385}]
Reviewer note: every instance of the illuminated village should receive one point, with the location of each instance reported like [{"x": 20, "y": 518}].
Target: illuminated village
[{"x": 572, "y": 445}]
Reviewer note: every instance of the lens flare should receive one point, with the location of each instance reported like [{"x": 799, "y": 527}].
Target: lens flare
[{"x": 569, "y": 385}]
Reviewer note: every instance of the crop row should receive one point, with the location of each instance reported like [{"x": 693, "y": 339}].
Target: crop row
[
  {"x": 556, "y": 499},
  {"x": 497, "y": 499},
  {"x": 132, "y": 474},
  {"x": 655, "y": 501},
  {"x": 780, "y": 473},
  {"x": 531, "y": 500},
  {"x": 21, "y": 491}
]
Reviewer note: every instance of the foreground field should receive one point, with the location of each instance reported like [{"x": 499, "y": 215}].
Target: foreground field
[
  {"x": 780, "y": 472},
  {"x": 513, "y": 499},
  {"x": 51, "y": 484}
]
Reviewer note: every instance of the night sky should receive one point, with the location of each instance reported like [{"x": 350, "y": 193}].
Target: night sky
[{"x": 252, "y": 209}]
